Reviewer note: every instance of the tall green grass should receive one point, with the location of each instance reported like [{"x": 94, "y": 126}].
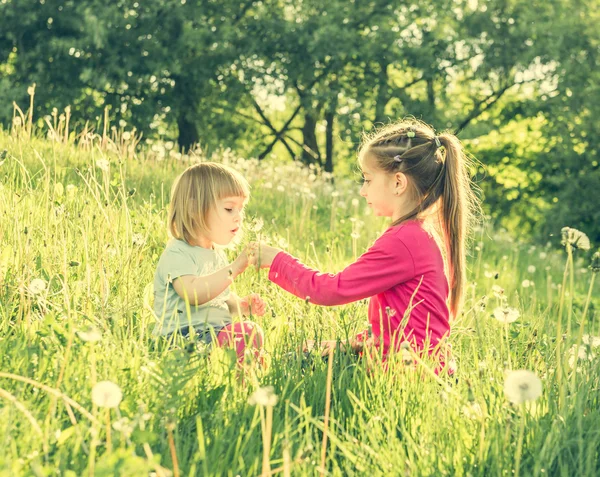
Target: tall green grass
[{"x": 81, "y": 229}]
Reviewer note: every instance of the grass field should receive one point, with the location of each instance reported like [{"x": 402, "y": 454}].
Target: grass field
[{"x": 81, "y": 230}]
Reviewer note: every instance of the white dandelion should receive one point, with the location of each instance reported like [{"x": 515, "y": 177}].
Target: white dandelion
[
  {"x": 138, "y": 239},
  {"x": 521, "y": 386},
  {"x": 106, "y": 394},
  {"x": 37, "y": 286},
  {"x": 526, "y": 283},
  {"x": 506, "y": 314},
  {"x": 498, "y": 291},
  {"x": 593, "y": 341},
  {"x": 531, "y": 269},
  {"x": 90, "y": 335},
  {"x": 103, "y": 165},
  {"x": 264, "y": 396},
  {"x": 575, "y": 238}
]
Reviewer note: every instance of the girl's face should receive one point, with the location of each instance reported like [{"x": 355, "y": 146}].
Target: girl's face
[
  {"x": 224, "y": 221},
  {"x": 387, "y": 194},
  {"x": 379, "y": 190}
]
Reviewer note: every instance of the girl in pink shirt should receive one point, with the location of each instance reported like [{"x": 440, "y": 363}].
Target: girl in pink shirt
[{"x": 414, "y": 274}]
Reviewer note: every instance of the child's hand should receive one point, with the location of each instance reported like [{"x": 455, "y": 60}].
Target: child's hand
[
  {"x": 254, "y": 304},
  {"x": 245, "y": 258},
  {"x": 266, "y": 255}
]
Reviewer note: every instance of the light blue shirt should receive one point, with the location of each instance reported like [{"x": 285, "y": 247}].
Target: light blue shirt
[{"x": 179, "y": 259}]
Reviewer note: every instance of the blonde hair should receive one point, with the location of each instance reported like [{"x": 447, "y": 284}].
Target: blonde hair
[
  {"x": 195, "y": 193},
  {"x": 438, "y": 173}
]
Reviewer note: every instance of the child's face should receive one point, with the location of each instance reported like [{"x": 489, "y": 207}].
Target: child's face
[
  {"x": 225, "y": 220},
  {"x": 379, "y": 189}
]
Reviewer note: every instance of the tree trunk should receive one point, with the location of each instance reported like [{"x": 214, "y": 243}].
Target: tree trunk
[
  {"x": 310, "y": 147},
  {"x": 188, "y": 132},
  {"x": 330, "y": 118}
]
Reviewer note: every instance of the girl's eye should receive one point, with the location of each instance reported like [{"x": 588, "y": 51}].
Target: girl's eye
[
  {"x": 229, "y": 210},
  {"x": 366, "y": 181}
]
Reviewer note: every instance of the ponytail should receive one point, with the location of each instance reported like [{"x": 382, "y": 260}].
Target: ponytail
[{"x": 456, "y": 211}]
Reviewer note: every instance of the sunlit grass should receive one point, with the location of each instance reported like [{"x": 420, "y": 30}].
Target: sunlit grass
[{"x": 81, "y": 229}]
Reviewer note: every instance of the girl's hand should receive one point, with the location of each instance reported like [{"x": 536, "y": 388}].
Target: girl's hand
[
  {"x": 245, "y": 258},
  {"x": 266, "y": 255},
  {"x": 253, "y": 304}
]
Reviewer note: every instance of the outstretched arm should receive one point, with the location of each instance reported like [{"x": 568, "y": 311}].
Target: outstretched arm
[{"x": 387, "y": 263}]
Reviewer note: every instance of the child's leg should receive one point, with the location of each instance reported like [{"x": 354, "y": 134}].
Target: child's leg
[{"x": 240, "y": 336}]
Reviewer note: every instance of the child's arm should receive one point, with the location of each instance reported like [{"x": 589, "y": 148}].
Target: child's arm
[
  {"x": 387, "y": 263},
  {"x": 201, "y": 289}
]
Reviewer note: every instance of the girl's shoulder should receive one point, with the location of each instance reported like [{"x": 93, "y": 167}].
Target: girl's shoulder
[{"x": 411, "y": 232}]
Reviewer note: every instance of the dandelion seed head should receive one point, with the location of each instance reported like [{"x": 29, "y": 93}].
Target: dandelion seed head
[
  {"x": 37, "y": 286},
  {"x": 506, "y": 314},
  {"x": 264, "y": 396},
  {"x": 106, "y": 394},
  {"x": 521, "y": 386},
  {"x": 575, "y": 238}
]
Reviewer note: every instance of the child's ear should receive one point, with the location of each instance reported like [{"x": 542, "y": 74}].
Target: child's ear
[{"x": 401, "y": 182}]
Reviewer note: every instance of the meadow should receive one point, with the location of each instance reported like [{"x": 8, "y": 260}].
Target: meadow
[{"x": 86, "y": 389}]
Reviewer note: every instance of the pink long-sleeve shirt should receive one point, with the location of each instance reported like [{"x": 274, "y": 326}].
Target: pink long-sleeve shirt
[{"x": 405, "y": 260}]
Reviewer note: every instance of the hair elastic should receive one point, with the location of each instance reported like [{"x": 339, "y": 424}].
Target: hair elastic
[
  {"x": 397, "y": 158},
  {"x": 438, "y": 144}
]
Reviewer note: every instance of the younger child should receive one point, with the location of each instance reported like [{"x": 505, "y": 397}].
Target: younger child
[
  {"x": 421, "y": 181},
  {"x": 191, "y": 284}
]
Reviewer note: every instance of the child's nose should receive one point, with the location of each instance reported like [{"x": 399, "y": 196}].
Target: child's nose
[{"x": 362, "y": 191}]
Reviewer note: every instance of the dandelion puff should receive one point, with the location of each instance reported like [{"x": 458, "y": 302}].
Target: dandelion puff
[
  {"x": 138, "y": 239},
  {"x": 37, "y": 286},
  {"x": 106, "y": 394},
  {"x": 256, "y": 225},
  {"x": 593, "y": 341},
  {"x": 575, "y": 238},
  {"x": 526, "y": 283},
  {"x": 531, "y": 269},
  {"x": 90, "y": 335},
  {"x": 103, "y": 164},
  {"x": 521, "y": 386},
  {"x": 498, "y": 291},
  {"x": 506, "y": 314},
  {"x": 264, "y": 396},
  {"x": 579, "y": 354}
]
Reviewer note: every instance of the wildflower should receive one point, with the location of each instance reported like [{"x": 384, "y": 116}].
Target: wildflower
[
  {"x": 498, "y": 291},
  {"x": 138, "y": 239},
  {"x": 106, "y": 394},
  {"x": 575, "y": 238},
  {"x": 579, "y": 354},
  {"x": 90, "y": 335},
  {"x": 521, "y": 386},
  {"x": 256, "y": 225},
  {"x": 593, "y": 341},
  {"x": 595, "y": 264},
  {"x": 531, "y": 268},
  {"x": 355, "y": 202},
  {"x": 543, "y": 255},
  {"x": 526, "y": 283},
  {"x": 103, "y": 164},
  {"x": 264, "y": 396},
  {"x": 37, "y": 286},
  {"x": 506, "y": 314}
]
